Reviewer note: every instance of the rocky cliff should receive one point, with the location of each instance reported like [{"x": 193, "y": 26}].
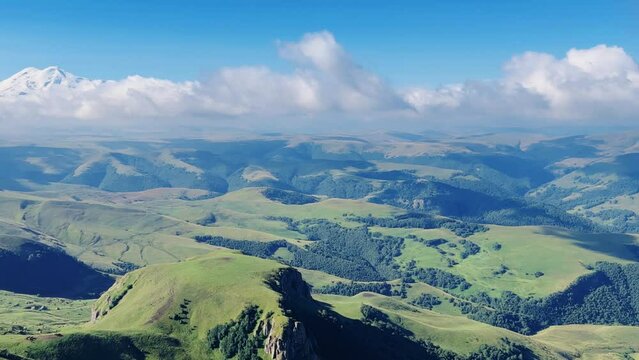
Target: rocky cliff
[{"x": 292, "y": 342}]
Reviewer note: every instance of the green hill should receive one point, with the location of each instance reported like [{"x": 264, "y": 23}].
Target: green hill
[
  {"x": 393, "y": 246},
  {"x": 178, "y": 310},
  {"x": 174, "y": 305}
]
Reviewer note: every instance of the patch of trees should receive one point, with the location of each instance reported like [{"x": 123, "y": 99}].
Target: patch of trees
[
  {"x": 354, "y": 288},
  {"x": 463, "y": 229},
  {"x": 236, "y": 337},
  {"x": 438, "y": 197},
  {"x": 288, "y": 197},
  {"x": 353, "y": 268},
  {"x": 421, "y": 221},
  {"x": 253, "y": 248},
  {"x": 469, "y": 248},
  {"x": 441, "y": 279},
  {"x": 290, "y": 223},
  {"x": 183, "y": 315},
  {"x": 347, "y": 187},
  {"x": 540, "y": 214},
  {"x": 344, "y": 187},
  {"x": 115, "y": 181},
  {"x": 352, "y": 253},
  {"x": 26, "y": 203},
  {"x": 403, "y": 290},
  {"x": 609, "y": 295},
  {"x": 426, "y": 301},
  {"x": 501, "y": 270},
  {"x": 507, "y": 315},
  {"x": 395, "y": 175},
  {"x": 374, "y": 317},
  {"x": 619, "y": 220},
  {"x": 507, "y": 351},
  {"x": 436, "y": 277},
  {"x": 123, "y": 268},
  {"x": 118, "y": 297},
  {"x": 410, "y": 220},
  {"x": 433, "y": 242},
  {"x": 208, "y": 220}
]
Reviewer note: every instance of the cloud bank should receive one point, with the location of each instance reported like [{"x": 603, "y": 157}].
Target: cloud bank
[
  {"x": 596, "y": 85},
  {"x": 600, "y": 84}
]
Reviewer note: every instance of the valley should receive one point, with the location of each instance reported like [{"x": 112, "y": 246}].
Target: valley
[{"x": 321, "y": 247}]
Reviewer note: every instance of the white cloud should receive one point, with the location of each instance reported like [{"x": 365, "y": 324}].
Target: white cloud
[
  {"x": 600, "y": 84},
  {"x": 343, "y": 84}
]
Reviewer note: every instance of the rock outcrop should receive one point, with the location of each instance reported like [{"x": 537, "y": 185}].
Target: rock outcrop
[{"x": 293, "y": 341}]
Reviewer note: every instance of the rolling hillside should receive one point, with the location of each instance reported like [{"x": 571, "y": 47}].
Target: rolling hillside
[{"x": 336, "y": 247}]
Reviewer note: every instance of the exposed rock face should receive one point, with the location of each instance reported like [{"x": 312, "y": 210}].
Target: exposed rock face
[
  {"x": 293, "y": 343},
  {"x": 290, "y": 284}
]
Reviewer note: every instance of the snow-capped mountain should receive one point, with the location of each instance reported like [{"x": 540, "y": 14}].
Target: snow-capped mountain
[{"x": 33, "y": 80}]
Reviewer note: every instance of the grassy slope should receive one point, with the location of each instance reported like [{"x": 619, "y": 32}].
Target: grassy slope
[
  {"x": 246, "y": 208},
  {"x": 219, "y": 285},
  {"x": 148, "y": 228},
  {"x": 41, "y": 315},
  {"x": 102, "y": 234},
  {"x": 561, "y": 255},
  {"x": 450, "y": 332},
  {"x": 593, "y": 341},
  {"x": 155, "y": 231},
  {"x": 463, "y": 335}
]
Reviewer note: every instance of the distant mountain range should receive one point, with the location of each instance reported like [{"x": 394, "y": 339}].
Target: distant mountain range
[{"x": 548, "y": 182}]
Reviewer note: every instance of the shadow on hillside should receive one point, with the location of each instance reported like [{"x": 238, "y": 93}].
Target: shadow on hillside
[
  {"x": 621, "y": 246},
  {"x": 333, "y": 336},
  {"x": 38, "y": 269},
  {"x": 338, "y": 337}
]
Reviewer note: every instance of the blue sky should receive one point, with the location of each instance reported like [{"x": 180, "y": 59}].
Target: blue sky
[
  {"x": 307, "y": 64},
  {"x": 406, "y": 42}
]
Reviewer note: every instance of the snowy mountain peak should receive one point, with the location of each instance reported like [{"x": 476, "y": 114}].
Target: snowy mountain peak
[{"x": 33, "y": 80}]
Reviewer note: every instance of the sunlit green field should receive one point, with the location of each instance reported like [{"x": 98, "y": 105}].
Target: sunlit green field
[
  {"x": 560, "y": 255},
  {"x": 593, "y": 341},
  {"x": 34, "y": 314},
  {"x": 157, "y": 230}
]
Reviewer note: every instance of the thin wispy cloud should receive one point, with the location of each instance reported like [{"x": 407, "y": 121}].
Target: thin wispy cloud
[{"x": 585, "y": 86}]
